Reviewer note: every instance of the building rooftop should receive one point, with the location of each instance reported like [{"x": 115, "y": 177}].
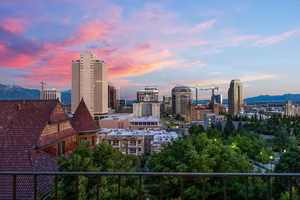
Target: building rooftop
[
  {"x": 159, "y": 135},
  {"x": 129, "y": 117}
]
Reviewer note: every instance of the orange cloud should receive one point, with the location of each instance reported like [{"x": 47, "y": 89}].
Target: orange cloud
[{"x": 141, "y": 69}]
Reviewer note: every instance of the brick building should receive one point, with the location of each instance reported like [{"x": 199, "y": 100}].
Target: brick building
[
  {"x": 33, "y": 133},
  {"x": 84, "y": 124}
]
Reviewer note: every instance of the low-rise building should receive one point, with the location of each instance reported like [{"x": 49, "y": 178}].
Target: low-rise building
[
  {"x": 213, "y": 119},
  {"x": 136, "y": 142},
  {"x": 128, "y": 121}
]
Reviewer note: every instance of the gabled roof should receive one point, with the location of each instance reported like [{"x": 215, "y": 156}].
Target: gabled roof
[
  {"x": 21, "y": 124},
  {"x": 82, "y": 119}
]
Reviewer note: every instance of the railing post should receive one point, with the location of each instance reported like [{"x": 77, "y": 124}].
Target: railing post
[
  {"x": 56, "y": 187},
  {"x": 290, "y": 188},
  {"x": 225, "y": 188},
  {"x": 203, "y": 190},
  {"x": 14, "y": 187},
  {"x": 119, "y": 187},
  {"x": 77, "y": 187},
  {"x": 270, "y": 188},
  {"x": 140, "y": 195},
  {"x": 247, "y": 188},
  {"x": 35, "y": 187},
  {"x": 160, "y": 188},
  {"x": 181, "y": 188},
  {"x": 98, "y": 187}
]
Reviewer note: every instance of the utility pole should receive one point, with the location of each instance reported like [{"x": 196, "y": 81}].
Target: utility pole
[{"x": 43, "y": 84}]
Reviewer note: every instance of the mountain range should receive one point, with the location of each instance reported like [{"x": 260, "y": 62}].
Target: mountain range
[
  {"x": 8, "y": 92},
  {"x": 14, "y": 92}
]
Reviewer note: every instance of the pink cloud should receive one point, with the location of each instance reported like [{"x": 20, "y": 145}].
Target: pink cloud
[
  {"x": 204, "y": 26},
  {"x": 13, "y": 25},
  {"x": 276, "y": 38},
  {"x": 94, "y": 31},
  {"x": 16, "y": 61}
]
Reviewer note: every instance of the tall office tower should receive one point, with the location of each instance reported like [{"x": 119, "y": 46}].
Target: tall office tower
[
  {"x": 147, "y": 104},
  {"x": 112, "y": 97},
  {"x": 50, "y": 94},
  {"x": 181, "y": 101},
  {"x": 89, "y": 81},
  {"x": 167, "y": 104},
  {"x": 149, "y": 94},
  {"x": 235, "y": 97}
]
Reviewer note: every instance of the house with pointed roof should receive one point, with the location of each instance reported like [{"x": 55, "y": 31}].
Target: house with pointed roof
[
  {"x": 84, "y": 124},
  {"x": 33, "y": 134}
]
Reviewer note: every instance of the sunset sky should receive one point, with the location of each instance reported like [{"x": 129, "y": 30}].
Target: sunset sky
[{"x": 154, "y": 43}]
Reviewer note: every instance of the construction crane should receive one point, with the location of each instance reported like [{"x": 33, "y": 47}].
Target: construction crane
[{"x": 212, "y": 89}]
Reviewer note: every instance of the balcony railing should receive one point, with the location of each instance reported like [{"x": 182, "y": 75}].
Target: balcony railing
[{"x": 183, "y": 177}]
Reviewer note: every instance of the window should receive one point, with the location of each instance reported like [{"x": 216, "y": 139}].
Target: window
[
  {"x": 116, "y": 142},
  {"x": 61, "y": 148},
  {"x": 93, "y": 140},
  {"x": 83, "y": 139},
  {"x": 139, "y": 141},
  {"x": 140, "y": 149},
  {"x": 132, "y": 142},
  {"x": 132, "y": 150}
]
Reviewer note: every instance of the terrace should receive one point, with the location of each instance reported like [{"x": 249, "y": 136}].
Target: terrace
[{"x": 142, "y": 178}]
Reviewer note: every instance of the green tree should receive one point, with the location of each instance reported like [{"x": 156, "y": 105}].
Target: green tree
[
  {"x": 196, "y": 129},
  {"x": 198, "y": 153},
  {"x": 289, "y": 163},
  {"x": 102, "y": 158}
]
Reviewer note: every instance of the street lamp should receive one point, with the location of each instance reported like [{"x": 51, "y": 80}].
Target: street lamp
[{"x": 272, "y": 163}]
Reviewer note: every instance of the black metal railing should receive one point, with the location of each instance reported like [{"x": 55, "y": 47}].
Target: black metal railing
[{"x": 141, "y": 176}]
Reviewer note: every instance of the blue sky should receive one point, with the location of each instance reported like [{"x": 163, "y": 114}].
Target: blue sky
[{"x": 154, "y": 43}]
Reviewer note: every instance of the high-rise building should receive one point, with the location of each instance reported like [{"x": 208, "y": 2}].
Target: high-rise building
[
  {"x": 112, "y": 97},
  {"x": 89, "y": 82},
  {"x": 149, "y": 94},
  {"x": 181, "y": 101},
  {"x": 167, "y": 105},
  {"x": 50, "y": 94},
  {"x": 147, "y": 104},
  {"x": 235, "y": 97}
]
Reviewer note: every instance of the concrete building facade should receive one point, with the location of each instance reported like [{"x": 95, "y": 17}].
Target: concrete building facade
[
  {"x": 147, "y": 104},
  {"x": 149, "y": 94},
  {"x": 235, "y": 97},
  {"x": 112, "y": 98},
  {"x": 50, "y": 94},
  {"x": 89, "y": 82},
  {"x": 146, "y": 109}
]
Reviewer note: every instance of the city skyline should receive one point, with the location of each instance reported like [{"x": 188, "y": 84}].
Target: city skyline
[{"x": 147, "y": 43}]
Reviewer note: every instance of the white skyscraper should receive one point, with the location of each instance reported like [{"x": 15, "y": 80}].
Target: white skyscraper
[{"x": 89, "y": 81}]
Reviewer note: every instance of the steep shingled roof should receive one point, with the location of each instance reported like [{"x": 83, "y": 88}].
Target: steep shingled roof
[
  {"x": 82, "y": 119},
  {"x": 21, "y": 125}
]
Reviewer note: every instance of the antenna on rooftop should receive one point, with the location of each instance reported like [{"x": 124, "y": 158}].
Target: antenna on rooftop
[{"x": 43, "y": 84}]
